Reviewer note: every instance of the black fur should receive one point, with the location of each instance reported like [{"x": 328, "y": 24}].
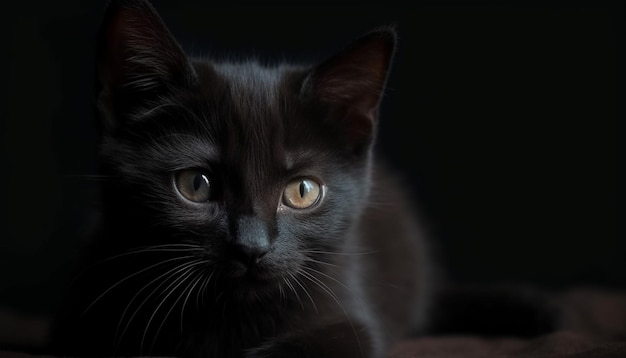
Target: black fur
[{"x": 243, "y": 274}]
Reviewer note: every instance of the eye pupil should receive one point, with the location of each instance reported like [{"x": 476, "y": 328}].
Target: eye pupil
[
  {"x": 304, "y": 188},
  {"x": 197, "y": 181}
]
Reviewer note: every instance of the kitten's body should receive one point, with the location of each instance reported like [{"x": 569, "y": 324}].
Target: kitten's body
[{"x": 242, "y": 273}]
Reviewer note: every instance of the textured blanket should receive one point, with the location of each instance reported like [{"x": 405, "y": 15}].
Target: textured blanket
[{"x": 594, "y": 326}]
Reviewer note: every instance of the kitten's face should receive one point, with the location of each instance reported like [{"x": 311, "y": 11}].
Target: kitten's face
[
  {"x": 245, "y": 169},
  {"x": 261, "y": 170}
]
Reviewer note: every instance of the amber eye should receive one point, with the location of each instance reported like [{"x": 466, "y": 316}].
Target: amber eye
[
  {"x": 193, "y": 185},
  {"x": 302, "y": 193}
]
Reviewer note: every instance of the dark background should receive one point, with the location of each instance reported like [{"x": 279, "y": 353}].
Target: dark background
[{"x": 502, "y": 119}]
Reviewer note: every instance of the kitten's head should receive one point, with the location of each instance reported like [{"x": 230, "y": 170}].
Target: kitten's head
[{"x": 261, "y": 170}]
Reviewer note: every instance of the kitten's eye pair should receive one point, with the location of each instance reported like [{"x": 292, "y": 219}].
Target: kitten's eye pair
[{"x": 195, "y": 186}]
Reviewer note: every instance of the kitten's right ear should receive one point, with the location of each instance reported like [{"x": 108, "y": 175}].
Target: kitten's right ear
[
  {"x": 138, "y": 60},
  {"x": 353, "y": 82}
]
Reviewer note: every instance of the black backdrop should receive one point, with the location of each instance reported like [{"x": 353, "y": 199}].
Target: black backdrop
[{"x": 502, "y": 118}]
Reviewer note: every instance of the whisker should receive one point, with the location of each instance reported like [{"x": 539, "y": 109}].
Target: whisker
[
  {"x": 202, "y": 290},
  {"x": 306, "y": 258},
  {"x": 282, "y": 291},
  {"x": 332, "y": 294},
  {"x": 195, "y": 281},
  {"x": 328, "y": 276},
  {"x": 172, "y": 273},
  {"x": 131, "y": 276},
  {"x": 306, "y": 292},
  {"x": 144, "y": 249},
  {"x": 339, "y": 253},
  {"x": 293, "y": 289},
  {"x": 190, "y": 271},
  {"x": 159, "y": 248}
]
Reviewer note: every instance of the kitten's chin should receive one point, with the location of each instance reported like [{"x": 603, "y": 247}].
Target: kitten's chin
[{"x": 253, "y": 281}]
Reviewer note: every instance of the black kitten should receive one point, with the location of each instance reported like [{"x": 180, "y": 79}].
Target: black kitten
[{"x": 243, "y": 212}]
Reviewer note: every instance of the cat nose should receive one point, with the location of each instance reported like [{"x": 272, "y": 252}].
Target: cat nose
[
  {"x": 252, "y": 241},
  {"x": 251, "y": 254}
]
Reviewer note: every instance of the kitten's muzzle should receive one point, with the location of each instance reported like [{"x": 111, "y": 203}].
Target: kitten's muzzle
[{"x": 252, "y": 241}]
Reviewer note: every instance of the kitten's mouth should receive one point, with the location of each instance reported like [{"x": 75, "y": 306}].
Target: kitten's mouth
[{"x": 254, "y": 272}]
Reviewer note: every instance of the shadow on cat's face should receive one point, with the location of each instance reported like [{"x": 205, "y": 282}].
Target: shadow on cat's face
[
  {"x": 244, "y": 169},
  {"x": 250, "y": 175}
]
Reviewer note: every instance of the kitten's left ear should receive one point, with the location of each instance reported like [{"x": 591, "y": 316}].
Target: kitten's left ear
[
  {"x": 352, "y": 83},
  {"x": 138, "y": 60}
]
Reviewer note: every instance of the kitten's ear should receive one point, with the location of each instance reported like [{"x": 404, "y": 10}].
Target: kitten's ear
[
  {"x": 138, "y": 60},
  {"x": 353, "y": 81}
]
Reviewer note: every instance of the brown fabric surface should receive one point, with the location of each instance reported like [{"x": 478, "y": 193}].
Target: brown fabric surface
[
  {"x": 594, "y": 326},
  {"x": 561, "y": 344}
]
